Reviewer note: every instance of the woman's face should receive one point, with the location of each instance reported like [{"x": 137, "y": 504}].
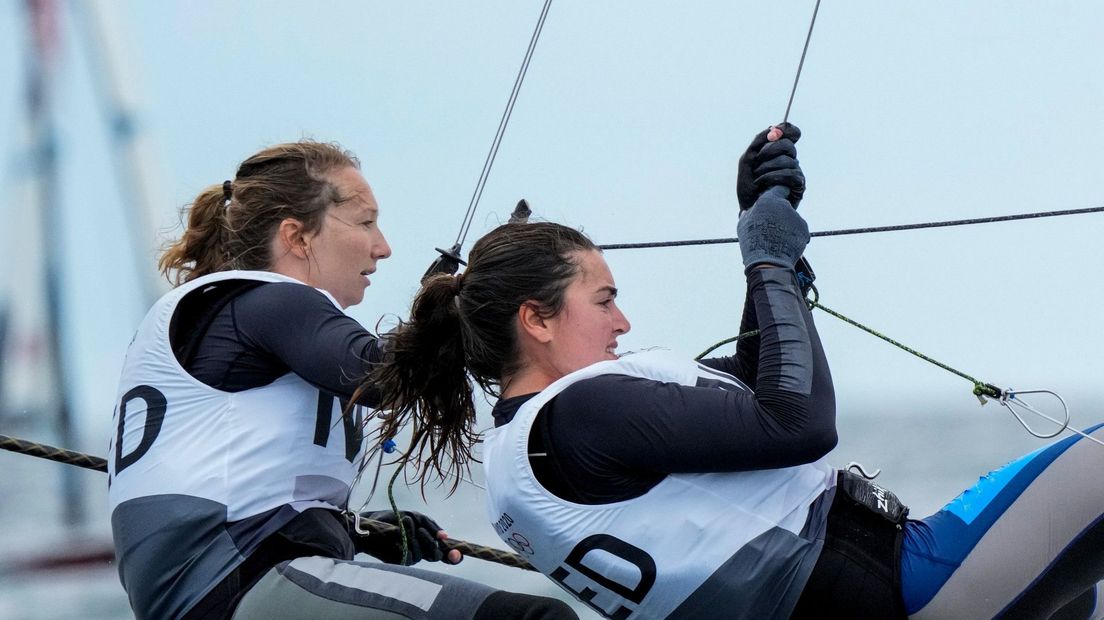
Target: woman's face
[
  {"x": 586, "y": 329},
  {"x": 345, "y": 249}
]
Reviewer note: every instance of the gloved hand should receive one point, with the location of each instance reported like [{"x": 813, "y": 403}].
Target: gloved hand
[
  {"x": 423, "y": 539},
  {"x": 772, "y": 232},
  {"x": 768, "y": 163}
]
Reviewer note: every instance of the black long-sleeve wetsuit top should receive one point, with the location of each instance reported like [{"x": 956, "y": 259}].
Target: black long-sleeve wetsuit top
[
  {"x": 246, "y": 336},
  {"x": 613, "y": 437},
  {"x": 265, "y": 330}
]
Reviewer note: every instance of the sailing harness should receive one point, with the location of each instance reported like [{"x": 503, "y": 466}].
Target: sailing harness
[{"x": 858, "y": 571}]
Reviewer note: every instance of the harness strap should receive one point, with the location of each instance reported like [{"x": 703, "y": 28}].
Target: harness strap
[{"x": 858, "y": 572}]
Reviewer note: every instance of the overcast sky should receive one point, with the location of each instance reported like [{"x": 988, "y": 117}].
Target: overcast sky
[{"x": 629, "y": 126}]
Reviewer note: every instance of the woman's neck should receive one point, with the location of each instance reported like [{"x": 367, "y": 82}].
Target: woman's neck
[{"x": 525, "y": 381}]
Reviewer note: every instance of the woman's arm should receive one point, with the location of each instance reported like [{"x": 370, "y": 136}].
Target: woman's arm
[
  {"x": 744, "y": 365},
  {"x": 615, "y": 434},
  {"x": 276, "y": 328}
]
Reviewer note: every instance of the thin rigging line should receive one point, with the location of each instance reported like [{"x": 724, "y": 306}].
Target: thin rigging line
[
  {"x": 860, "y": 231},
  {"x": 473, "y": 204},
  {"x": 801, "y": 63}
]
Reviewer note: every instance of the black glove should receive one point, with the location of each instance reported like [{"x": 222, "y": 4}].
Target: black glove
[
  {"x": 772, "y": 232},
  {"x": 767, "y": 164},
  {"x": 421, "y": 534}
]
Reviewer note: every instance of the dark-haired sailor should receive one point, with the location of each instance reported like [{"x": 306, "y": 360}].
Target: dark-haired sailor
[{"x": 656, "y": 487}]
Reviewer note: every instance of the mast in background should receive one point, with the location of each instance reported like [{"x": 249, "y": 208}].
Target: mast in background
[
  {"x": 37, "y": 344},
  {"x": 27, "y": 392},
  {"x": 44, "y": 38},
  {"x": 114, "y": 90}
]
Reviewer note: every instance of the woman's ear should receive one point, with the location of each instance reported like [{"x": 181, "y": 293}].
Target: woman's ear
[
  {"x": 290, "y": 238},
  {"x": 532, "y": 323}
]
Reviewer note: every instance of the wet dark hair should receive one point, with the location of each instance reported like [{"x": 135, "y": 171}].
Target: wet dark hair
[
  {"x": 465, "y": 326},
  {"x": 230, "y": 225}
]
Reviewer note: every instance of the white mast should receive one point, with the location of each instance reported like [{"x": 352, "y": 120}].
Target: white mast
[
  {"x": 52, "y": 386},
  {"x": 130, "y": 153}
]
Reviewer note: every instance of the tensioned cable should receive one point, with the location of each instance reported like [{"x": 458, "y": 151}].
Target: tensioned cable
[
  {"x": 60, "y": 455},
  {"x": 801, "y": 63},
  {"x": 469, "y": 215},
  {"x": 860, "y": 231},
  {"x": 95, "y": 463},
  {"x": 982, "y": 389}
]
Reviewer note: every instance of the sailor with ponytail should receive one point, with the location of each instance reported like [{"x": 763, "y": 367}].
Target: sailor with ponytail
[
  {"x": 240, "y": 428},
  {"x": 650, "y": 486}
]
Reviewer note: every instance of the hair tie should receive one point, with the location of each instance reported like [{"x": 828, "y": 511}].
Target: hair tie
[
  {"x": 459, "y": 281},
  {"x": 227, "y": 190}
]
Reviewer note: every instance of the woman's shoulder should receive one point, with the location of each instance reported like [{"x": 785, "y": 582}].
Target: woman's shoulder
[
  {"x": 260, "y": 286},
  {"x": 606, "y": 394},
  {"x": 284, "y": 305},
  {"x": 286, "y": 293}
]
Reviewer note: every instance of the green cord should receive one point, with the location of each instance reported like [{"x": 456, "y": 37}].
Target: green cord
[
  {"x": 398, "y": 514},
  {"x": 980, "y": 387},
  {"x": 720, "y": 344}
]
